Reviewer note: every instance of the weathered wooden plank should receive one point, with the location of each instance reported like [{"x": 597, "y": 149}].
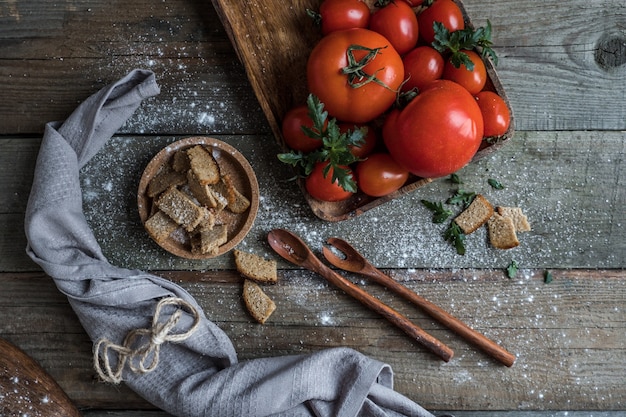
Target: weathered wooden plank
[
  {"x": 558, "y": 59},
  {"x": 557, "y": 72},
  {"x": 45, "y": 49},
  {"x": 570, "y": 184},
  {"x": 567, "y": 360}
]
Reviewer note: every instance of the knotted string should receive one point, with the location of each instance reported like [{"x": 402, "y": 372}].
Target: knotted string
[{"x": 145, "y": 357}]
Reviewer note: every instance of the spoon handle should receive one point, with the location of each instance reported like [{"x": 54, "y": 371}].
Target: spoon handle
[
  {"x": 477, "y": 339},
  {"x": 417, "y": 333}
]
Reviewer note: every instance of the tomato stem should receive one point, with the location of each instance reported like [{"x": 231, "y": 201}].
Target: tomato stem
[{"x": 357, "y": 77}]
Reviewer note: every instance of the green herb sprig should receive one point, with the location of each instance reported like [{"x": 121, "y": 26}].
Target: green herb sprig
[
  {"x": 335, "y": 147},
  {"x": 458, "y": 41},
  {"x": 511, "y": 270},
  {"x": 440, "y": 213}
]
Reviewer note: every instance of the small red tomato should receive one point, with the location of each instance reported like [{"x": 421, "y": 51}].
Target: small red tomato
[
  {"x": 473, "y": 80},
  {"x": 496, "y": 115},
  {"x": 422, "y": 66},
  {"x": 294, "y": 136},
  {"x": 322, "y": 187},
  {"x": 397, "y": 22},
  {"x": 445, "y": 11},
  {"x": 380, "y": 175},
  {"x": 343, "y": 14},
  {"x": 370, "y": 139}
]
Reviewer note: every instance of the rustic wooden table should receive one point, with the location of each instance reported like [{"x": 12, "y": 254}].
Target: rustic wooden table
[{"x": 563, "y": 65}]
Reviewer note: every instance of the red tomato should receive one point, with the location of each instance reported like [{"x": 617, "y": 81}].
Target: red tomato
[
  {"x": 496, "y": 115},
  {"x": 354, "y": 97},
  {"x": 322, "y": 188},
  {"x": 437, "y": 133},
  {"x": 422, "y": 66},
  {"x": 343, "y": 14},
  {"x": 370, "y": 140},
  {"x": 293, "y": 135},
  {"x": 473, "y": 80},
  {"x": 380, "y": 175},
  {"x": 397, "y": 22},
  {"x": 444, "y": 11}
]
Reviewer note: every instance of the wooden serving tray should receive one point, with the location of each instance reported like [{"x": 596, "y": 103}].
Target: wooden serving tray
[{"x": 273, "y": 40}]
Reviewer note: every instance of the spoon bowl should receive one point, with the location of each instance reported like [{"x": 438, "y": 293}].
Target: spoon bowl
[
  {"x": 353, "y": 261},
  {"x": 294, "y": 250}
]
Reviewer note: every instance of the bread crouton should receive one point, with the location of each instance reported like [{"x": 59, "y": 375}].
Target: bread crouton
[
  {"x": 203, "y": 165},
  {"x": 519, "y": 218},
  {"x": 209, "y": 241},
  {"x": 165, "y": 179},
  {"x": 259, "y": 304},
  {"x": 502, "y": 232},
  {"x": 180, "y": 208},
  {"x": 160, "y": 226},
  {"x": 474, "y": 216},
  {"x": 255, "y": 267}
]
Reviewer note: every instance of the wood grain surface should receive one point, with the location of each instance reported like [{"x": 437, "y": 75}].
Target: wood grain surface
[{"x": 563, "y": 66}]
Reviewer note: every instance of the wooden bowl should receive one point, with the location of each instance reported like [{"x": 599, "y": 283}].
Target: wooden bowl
[
  {"x": 273, "y": 42},
  {"x": 231, "y": 162}
]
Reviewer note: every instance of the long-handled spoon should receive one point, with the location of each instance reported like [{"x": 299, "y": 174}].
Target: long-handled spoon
[
  {"x": 355, "y": 262},
  {"x": 293, "y": 249}
]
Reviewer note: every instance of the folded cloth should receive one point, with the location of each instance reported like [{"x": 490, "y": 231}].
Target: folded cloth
[{"x": 149, "y": 332}]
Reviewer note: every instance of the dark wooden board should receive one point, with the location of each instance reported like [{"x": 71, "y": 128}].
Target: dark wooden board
[
  {"x": 568, "y": 335},
  {"x": 570, "y": 184}
]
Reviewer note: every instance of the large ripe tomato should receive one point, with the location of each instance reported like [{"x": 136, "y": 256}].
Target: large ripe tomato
[
  {"x": 369, "y": 141},
  {"x": 422, "y": 66},
  {"x": 293, "y": 135},
  {"x": 473, "y": 80},
  {"x": 322, "y": 188},
  {"x": 380, "y": 174},
  {"x": 445, "y": 11},
  {"x": 348, "y": 94},
  {"x": 397, "y": 22},
  {"x": 496, "y": 115},
  {"x": 437, "y": 133},
  {"x": 343, "y": 14}
]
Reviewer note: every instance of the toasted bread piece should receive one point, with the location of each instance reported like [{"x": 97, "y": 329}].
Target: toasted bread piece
[
  {"x": 257, "y": 302},
  {"x": 180, "y": 161},
  {"x": 255, "y": 267},
  {"x": 519, "y": 218},
  {"x": 209, "y": 241},
  {"x": 207, "y": 223},
  {"x": 165, "y": 179},
  {"x": 502, "y": 232},
  {"x": 237, "y": 202},
  {"x": 181, "y": 208},
  {"x": 220, "y": 192},
  {"x": 201, "y": 192},
  {"x": 160, "y": 226},
  {"x": 474, "y": 216},
  {"x": 203, "y": 165}
]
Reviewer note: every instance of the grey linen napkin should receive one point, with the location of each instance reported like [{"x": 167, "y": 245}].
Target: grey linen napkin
[{"x": 198, "y": 375}]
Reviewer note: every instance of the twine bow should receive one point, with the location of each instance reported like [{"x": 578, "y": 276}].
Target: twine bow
[{"x": 145, "y": 357}]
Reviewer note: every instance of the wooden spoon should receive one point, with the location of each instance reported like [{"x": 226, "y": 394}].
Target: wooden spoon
[
  {"x": 293, "y": 249},
  {"x": 27, "y": 389},
  {"x": 355, "y": 262}
]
